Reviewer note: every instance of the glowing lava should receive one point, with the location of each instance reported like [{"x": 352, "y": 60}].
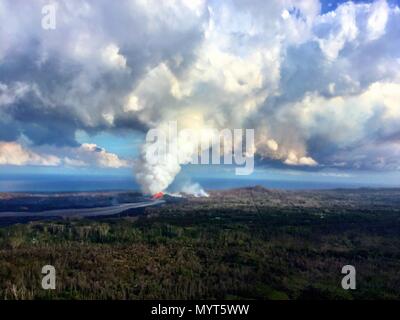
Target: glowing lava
[{"x": 158, "y": 195}]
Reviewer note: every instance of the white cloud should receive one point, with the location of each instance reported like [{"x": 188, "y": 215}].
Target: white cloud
[
  {"x": 91, "y": 154},
  {"x": 294, "y": 160},
  {"x": 272, "y": 145},
  {"x": 336, "y": 29},
  {"x": 112, "y": 56},
  {"x": 12, "y": 153},
  {"x": 377, "y": 19}
]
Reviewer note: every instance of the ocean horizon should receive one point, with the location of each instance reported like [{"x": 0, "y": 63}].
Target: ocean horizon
[{"x": 75, "y": 183}]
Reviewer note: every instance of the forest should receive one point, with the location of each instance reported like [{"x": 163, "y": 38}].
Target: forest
[{"x": 251, "y": 243}]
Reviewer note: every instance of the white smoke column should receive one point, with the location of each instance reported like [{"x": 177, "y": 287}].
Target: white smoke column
[
  {"x": 154, "y": 178},
  {"x": 194, "y": 189},
  {"x": 161, "y": 159}
]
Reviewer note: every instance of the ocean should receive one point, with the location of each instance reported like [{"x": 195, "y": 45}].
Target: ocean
[{"x": 72, "y": 183}]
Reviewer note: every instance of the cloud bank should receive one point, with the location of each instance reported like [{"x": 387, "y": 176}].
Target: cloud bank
[{"x": 86, "y": 155}]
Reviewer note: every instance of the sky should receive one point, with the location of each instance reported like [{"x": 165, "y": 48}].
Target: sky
[{"x": 318, "y": 81}]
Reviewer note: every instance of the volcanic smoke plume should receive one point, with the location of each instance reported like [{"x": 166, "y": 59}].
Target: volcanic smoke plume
[
  {"x": 292, "y": 79},
  {"x": 155, "y": 174}
]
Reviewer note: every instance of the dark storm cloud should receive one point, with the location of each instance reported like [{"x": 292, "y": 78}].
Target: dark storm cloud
[{"x": 72, "y": 72}]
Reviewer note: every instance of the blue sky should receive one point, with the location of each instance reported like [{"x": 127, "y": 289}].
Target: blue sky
[
  {"x": 327, "y": 5},
  {"x": 319, "y": 83}
]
